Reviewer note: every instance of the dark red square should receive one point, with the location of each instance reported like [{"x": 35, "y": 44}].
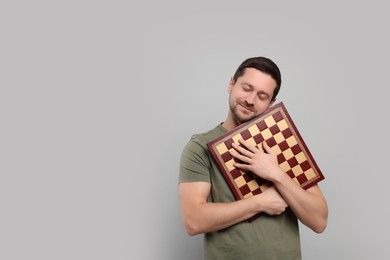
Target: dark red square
[
  {"x": 248, "y": 176},
  {"x": 228, "y": 143},
  {"x": 290, "y": 173},
  {"x": 305, "y": 166},
  {"x": 261, "y": 181},
  {"x": 278, "y": 116},
  {"x": 287, "y": 133},
  {"x": 245, "y": 189},
  {"x": 292, "y": 162},
  {"x": 226, "y": 156},
  {"x": 274, "y": 129},
  {"x": 256, "y": 191},
  {"x": 302, "y": 178},
  {"x": 246, "y": 134},
  {"x": 235, "y": 173},
  {"x": 283, "y": 146},
  {"x": 261, "y": 125},
  {"x": 281, "y": 158},
  {"x": 258, "y": 138},
  {"x": 296, "y": 149},
  {"x": 271, "y": 142}
]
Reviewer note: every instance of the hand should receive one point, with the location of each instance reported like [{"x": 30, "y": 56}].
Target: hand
[
  {"x": 263, "y": 164},
  {"x": 271, "y": 201}
]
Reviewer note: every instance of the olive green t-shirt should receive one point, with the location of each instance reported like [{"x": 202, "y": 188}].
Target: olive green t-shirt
[{"x": 267, "y": 237}]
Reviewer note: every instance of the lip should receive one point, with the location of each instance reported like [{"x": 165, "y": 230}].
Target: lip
[{"x": 246, "y": 108}]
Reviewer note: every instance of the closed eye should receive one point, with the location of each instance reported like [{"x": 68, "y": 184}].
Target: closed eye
[
  {"x": 246, "y": 88},
  {"x": 263, "y": 96}
]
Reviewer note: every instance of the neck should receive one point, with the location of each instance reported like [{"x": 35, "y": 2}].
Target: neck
[{"x": 229, "y": 123}]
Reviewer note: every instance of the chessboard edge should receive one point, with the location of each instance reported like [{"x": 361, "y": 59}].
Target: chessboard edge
[
  {"x": 226, "y": 176},
  {"x": 306, "y": 149}
]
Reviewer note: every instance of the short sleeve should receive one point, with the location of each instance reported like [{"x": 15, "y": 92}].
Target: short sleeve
[{"x": 194, "y": 163}]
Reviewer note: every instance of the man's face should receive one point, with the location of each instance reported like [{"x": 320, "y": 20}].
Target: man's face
[{"x": 250, "y": 95}]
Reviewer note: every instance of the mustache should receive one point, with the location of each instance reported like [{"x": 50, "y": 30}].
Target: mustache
[{"x": 245, "y": 104}]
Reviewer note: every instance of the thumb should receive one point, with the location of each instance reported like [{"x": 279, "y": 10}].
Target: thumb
[{"x": 267, "y": 148}]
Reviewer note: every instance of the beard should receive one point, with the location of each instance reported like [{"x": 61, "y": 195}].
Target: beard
[{"x": 239, "y": 116}]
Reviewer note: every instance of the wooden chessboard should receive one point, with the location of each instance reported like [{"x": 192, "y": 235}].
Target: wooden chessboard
[{"x": 276, "y": 127}]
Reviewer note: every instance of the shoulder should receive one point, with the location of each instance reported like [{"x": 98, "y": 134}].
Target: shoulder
[
  {"x": 195, "y": 159},
  {"x": 197, "y": 145},
  {"x": 203, "y": 138}
]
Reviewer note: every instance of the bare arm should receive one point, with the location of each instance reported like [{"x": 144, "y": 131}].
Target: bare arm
[
  {"x": 309, "y": 205},
  {"x": 200, "y": 216}
]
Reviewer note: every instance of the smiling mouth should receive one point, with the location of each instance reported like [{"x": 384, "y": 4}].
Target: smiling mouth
[{"x": 246, "y": 108}]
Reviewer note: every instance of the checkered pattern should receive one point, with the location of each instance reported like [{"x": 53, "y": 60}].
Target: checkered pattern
[{"x": 276, "y": 128}]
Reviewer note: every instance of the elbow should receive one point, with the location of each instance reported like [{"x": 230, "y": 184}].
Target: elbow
[
  {"x": 320, "y": 227},
  {"x": 191, "y": 227},
  {"x": 321, "y": 222},
  {"x": 191, "y": 232}
]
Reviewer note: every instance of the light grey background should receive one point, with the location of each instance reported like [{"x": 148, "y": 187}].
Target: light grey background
[{"x": 98, "y": 99}]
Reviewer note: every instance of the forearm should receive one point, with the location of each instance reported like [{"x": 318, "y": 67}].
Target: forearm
[
  {"x": 207, "y": 217},
  {"x": 309, "y": 205}
]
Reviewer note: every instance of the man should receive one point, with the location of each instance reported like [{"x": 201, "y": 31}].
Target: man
[{"x": 209, "y": 207}]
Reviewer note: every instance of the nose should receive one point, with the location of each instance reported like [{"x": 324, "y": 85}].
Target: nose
[{"x": 250, "y": 99}]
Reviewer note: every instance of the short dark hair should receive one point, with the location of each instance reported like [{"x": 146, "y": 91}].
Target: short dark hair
[{"x": 263, "y": 64}]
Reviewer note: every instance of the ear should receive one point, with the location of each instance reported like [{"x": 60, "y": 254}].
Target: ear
[{"x": 231, "y": 84}]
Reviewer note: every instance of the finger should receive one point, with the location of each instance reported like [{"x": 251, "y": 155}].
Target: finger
[
  {"x": 247, "y": 145},
  {"x": 267, "y": 148},
  {"x": 242, "y": 166},
  {"x": 239, "y": 156},
  {"x": 242, "y": 150}
]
